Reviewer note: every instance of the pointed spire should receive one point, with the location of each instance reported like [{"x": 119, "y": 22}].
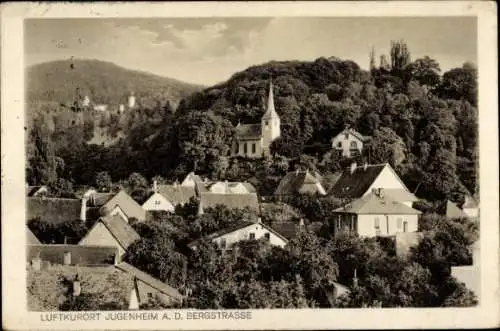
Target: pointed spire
[{"x": 270, "y": 111}]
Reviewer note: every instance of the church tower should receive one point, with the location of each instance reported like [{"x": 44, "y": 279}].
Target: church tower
[{"x": 270, "y": 122}]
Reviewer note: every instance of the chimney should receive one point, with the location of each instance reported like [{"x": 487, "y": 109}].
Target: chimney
[
  {"x": 301, "y": 223},
  {"x": 77, "y": 288},
  {"x": 226, "y": 187},
  {"x": 381, "y": 192},
  {"x": 353, "y": 167},
  {"x": 83, "y": 210},
  {"x": 36, "y": 262},
  {"x": 67, "y": 258},
  {"x": 155, "y": 185}
]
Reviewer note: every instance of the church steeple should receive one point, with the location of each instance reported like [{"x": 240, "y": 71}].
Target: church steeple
[{"x": 270, "y": 111}]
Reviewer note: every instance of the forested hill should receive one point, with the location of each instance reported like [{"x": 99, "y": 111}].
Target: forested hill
[
  {"x": 422, "y": 121},
  {"x": 103, "y": 82}
]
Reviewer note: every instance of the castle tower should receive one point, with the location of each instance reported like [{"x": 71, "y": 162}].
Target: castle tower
[
  {"x": 131, "y": 100},
  {"x": 270, "y": 122}
]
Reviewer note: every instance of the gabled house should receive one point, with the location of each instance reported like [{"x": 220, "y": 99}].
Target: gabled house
[
  {"x": 358, "y": 181},
  {"x": 167, "y": 197},
  {"x": 127, "y": 204},
  {"x": 113, "y": 231},
  {"x": 146, "y": 287},
  {"x": 227, "y": 237},
  {"x": 191, "y": 179},
  {"x": 231, "y": 187},
  {"x": 297, "y": 182},
  {"x": 375, "y": 214},
  {"x": 231, "y": 201},
  {"x": 349, "y": 142}
]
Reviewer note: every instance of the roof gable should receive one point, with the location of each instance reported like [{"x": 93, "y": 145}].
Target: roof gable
[
  {"x": 128, "y": 205},
  {"x": 355, "y": 184},
  {"x": 294, "y": 182},
  {"x": 150, "y": 280}
]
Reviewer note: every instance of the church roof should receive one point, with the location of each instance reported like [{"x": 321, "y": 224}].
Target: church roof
[
  {"x": 270, "y": 111},
  {"x": 249, "y": 131}
]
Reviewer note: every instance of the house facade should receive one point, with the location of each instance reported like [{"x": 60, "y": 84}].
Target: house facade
[
  {"x": 113, "y": 231},
  {"x": 254, "y": 140},
  {"x": 167, "y": 197},
  {"x": 244, "y": 231},
  {"x": 349, "y": 142},
  {"x": 375, "y": 215},
  {"x": 358, "y": 181}
]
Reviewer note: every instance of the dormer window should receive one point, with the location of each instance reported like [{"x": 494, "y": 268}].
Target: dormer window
[
  {"x": 346, "y": 136},
  {"x": 266, "y": 123}
]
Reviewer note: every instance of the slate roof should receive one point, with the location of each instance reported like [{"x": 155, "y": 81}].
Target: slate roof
[
  {"x": 374, "y": 204},
  {"x": 120, "y": 230},
  {"x": 177, "y": 194},
  {"x": 297, "y": 182},
  {"x": 230, "y": 200},
  {"x": 53, "y": 210},
  {"x": 31, "y": 239},
  {"x": 248, "y": 131},
  {"x": 150, "y": 280},
  {"x": 81, "y": 255},
  {"x": 128, "y": 205},
  {"x": 453, "y": 211}
]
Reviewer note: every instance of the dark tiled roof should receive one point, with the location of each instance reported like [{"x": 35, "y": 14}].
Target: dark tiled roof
[
  {"x": 248, "y": 131},
  {"x": 128, "y": 205},
  {"x": 356, "y": 184},
  {"x": 231, "y": 201},
  {"x": 177, "y": 194},
  {"x": 298, "y": 182},
  {"x": 31, "y": 239},
  {"x": 120, "y": 229},
  {"x": 374, "y": 204},
  {"x": 151, "y": 281},
  {"x": 289, "y": 229},
  {"x": 81, "y": 255},
  {"x": 53, "y": 210}
]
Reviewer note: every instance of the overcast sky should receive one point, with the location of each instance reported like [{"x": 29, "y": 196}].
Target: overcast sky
[{"x": 210, "y": 50}]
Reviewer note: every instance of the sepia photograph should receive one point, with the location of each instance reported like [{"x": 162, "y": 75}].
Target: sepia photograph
[{"x": 218, "y": 165}]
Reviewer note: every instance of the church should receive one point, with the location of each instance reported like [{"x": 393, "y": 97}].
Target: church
[{"x": 253, "y": 140}]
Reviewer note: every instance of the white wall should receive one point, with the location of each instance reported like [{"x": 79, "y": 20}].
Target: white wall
[
  {"x": 386, "y": 179},
  {"x": 158, "y": 202},
  {"x": 249, "y": 143},
  {"x": 220, "y": 187},
  {"x": 388, "y": 224},
  {"x": 100, "y": 236},
  {"x": 134, "y": 301},
  {"x": 244, "y": 234},
  {"x": 346, "y": 143}
]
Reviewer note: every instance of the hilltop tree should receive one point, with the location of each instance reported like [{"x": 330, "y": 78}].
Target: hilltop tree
[{"x": 400, "y": 55}]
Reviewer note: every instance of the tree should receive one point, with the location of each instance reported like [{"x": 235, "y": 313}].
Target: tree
[
  {"x": 387, "y": 146},
  {"x": 425, "y": 70},
  {"x": 43, "y": 163},
  {"x": 103, "y": 181},
  {"x": 400, "y": 56},
  {"x": 460, "y": 83}
]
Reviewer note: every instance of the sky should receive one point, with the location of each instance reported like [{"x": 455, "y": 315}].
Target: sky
[{"x": 209, "y": 50}]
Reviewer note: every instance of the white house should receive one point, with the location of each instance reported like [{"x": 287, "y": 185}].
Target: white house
[
  {"x": 131, "y": 101},
  {"x": 254, "y": 140},
  {"x": 350, "y": 142},
  {"x": 358, "y": 181},
  {"x": 470, "y": 207},
  {"x": 375, "y": 214},
  {"x": 243, "y": 231},
  {"x": 166, "y": 197}
]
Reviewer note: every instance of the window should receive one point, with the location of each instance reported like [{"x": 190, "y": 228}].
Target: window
[
  {"x": 346, "y": 136},
  {"x": 339, "y": 145},
  {"x": 377, "y": 225},
  {"x": 400, "y": 223},
  {"x": 252, "y": 236},
  {"x": 405, "y": 226},
  {"x": 253, "y": 148},
  {"x": 157, "y": 202},
  {"x": 354, "y": 145},
  {"x": 267, "y": 235},
  {"x": 245, "y": 148},
  {"x": 222, "y": 243},
  {"x": 150, "y": 295},
  {"x": 266, "y": 123}
]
